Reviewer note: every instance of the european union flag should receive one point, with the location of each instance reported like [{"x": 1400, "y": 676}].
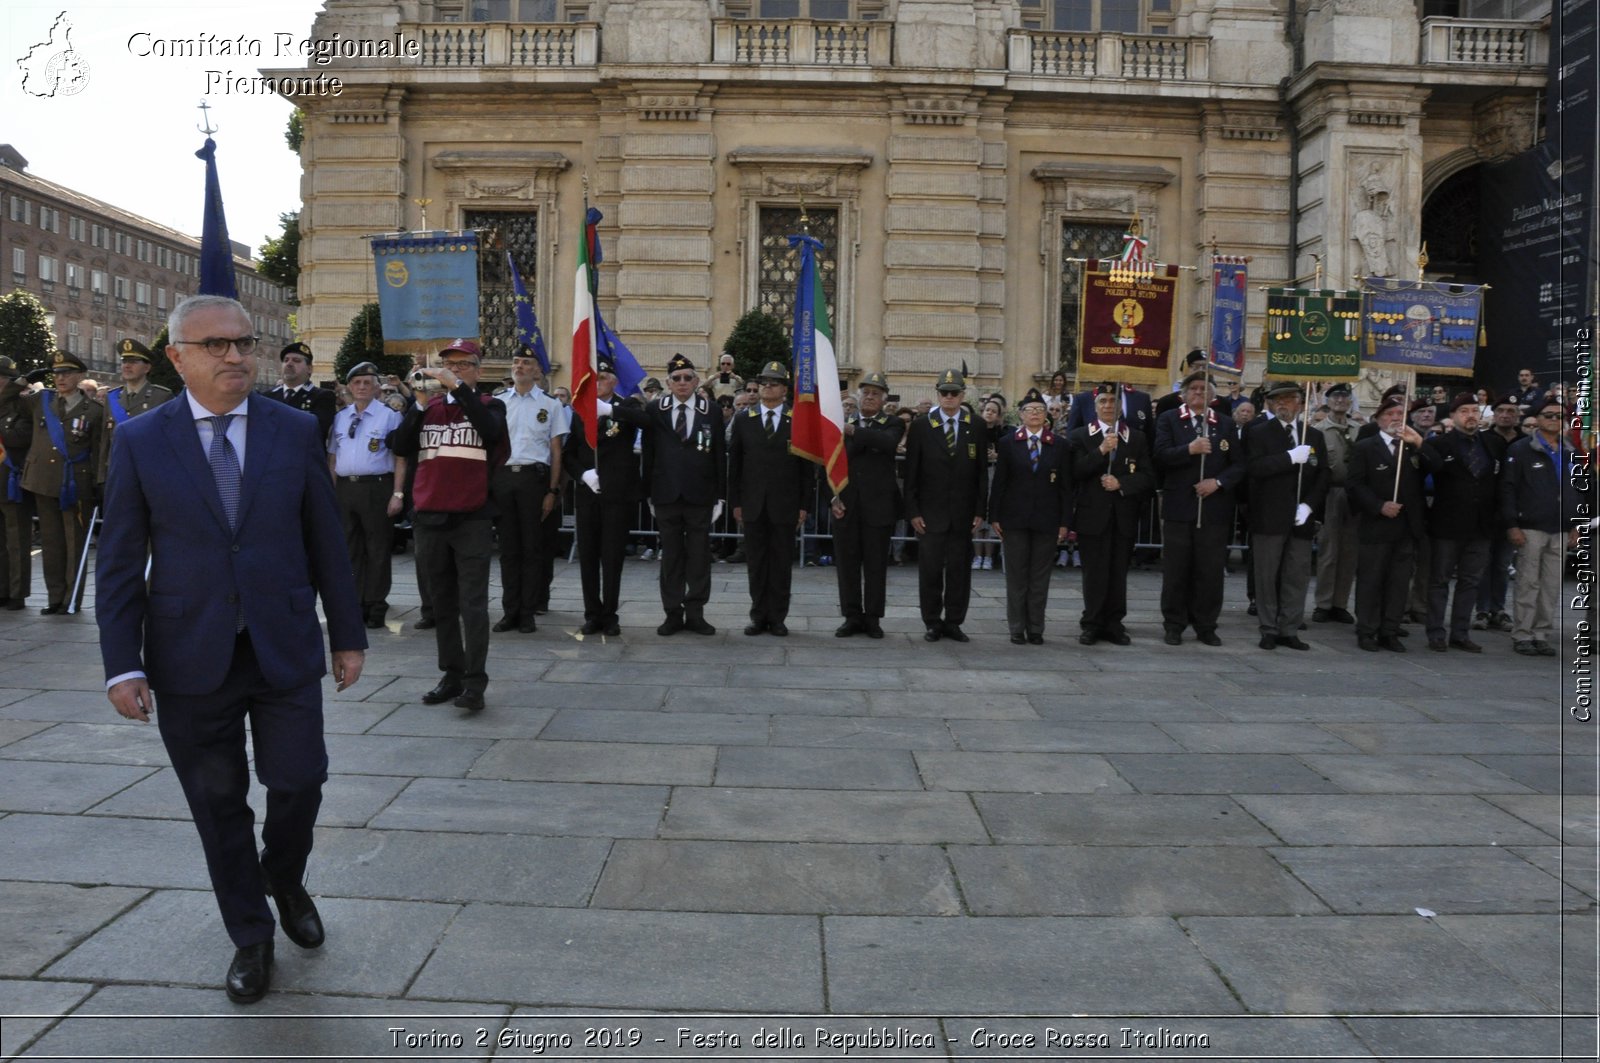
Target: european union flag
[
  {"x": 216, "y": 253},
  {"x": 528, "y": 334}
]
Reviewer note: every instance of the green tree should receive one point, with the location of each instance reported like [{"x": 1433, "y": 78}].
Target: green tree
[
  {"x": 295, "y": 134},
  {"x": 756, "y": 339},
  {"x": 280, "y": 256},
  {"x": 25, "y": 332},
  {"x": 161, "y": 369},
  {"x": 363, "y": 342}
]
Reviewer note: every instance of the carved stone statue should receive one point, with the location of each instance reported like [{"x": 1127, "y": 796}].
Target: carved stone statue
[{"x": 1372, "y": 228}]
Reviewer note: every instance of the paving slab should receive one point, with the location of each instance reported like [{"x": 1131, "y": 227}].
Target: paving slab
[
  {"x": 41, "y": 920},
  {"x": 545, "y": 808},
  {"x": 778, "y": 878},
  {"x": 446, "y": 721},
  {"x": 53, "y": 786},
  {"x": 861, "y": 732},
  {"x": 777, "y": 700},
  {"x": 1446, "y": 738},
  {"x": 1576, "y": 865},
  {"x": 29, "y": 1008},
  {"x": 1445, "y": 879},
  {"x": 347, "y": 800},
  {"x": 604, "y": 958},
  {"x": 697, "y": 728},
  {"x": 1097, "y": 708},
  {"x": 354, "y": 717},
  {"x": 1572, "y": 819},
  {"x": 176, "y": 936},
  {"x": 711, "y": 673},
  {"x": 102, "y": 850},
  {"x": 1040, "y": 966},
  {"x": 935, "y": 705},
  {"x": 1126, "y": 880},
  {"x": 1220, "y": 773},
  {"x": 1317, "y": 708},
  {"x": 17, "y": 730},
  {"x": 1546, "y": 773},
  {"x": 1133, "y": 736},
  {"x": 817, "y": 769},
  {"x": 61, "y": 706},
  {"x": 1319, "y": 965},
  {"x": 1367, "y": 773},
  {"x": 1381, "y": 819},
  {"x": 821, "y": 816},
  {"x": 404, "y": 754},
  {"x": 1551, "y": 956},
  {"x": 807, "y": 678},
  {"x": 87, "y": 743},
  {"x": 1043, "y": 773},
  {"x": 1116, "y": 819},
  {"x": 610, "y": 762},
  {"x": 1254, "y": 738}
]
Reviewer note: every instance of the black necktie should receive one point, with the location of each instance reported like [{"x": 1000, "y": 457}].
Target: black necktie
[
  {"x": 772, "y": 424},
  {"x": 950, "y": 434},
  {"x": 1477, "y": 460},
  {"x": 683, "y": 421}
]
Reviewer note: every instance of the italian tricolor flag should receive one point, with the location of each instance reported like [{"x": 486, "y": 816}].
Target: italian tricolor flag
[
  {"x": 818, "y": 430},
  {"x": 584, "y": 330}
]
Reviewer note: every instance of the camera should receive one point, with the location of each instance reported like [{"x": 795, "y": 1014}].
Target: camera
[{"x": 419, "y": 377}]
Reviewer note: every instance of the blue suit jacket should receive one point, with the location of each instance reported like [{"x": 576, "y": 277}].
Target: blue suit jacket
[{"x": 289, "y": 547}]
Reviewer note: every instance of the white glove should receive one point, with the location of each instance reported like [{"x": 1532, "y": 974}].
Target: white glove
[
  {"x": 1302, "y": 513},
  {"x": 652, "y": 506},
  {"x": 1300, "y": 454},
  {"x": 716, "y": 511},
  {"x": 591, "y": 479},
  {"x": 602, "y": 408}
]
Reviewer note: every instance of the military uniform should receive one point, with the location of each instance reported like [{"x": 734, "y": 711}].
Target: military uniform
[
  {"x": 61, "y": 476},
  {"x": 364, "y": 485},
  {"x": 1107, "y": 523},
  {"x": 871, "y": 501},
  {"x": 1388, "y": 544},
  {"x": 319, "y": 402},
  {"x": 1280, "y": 548},
  {"x": 122, "y": 402},
  {"x": 1337, "y": 541},
  {"x": 16, "y": 505},
  {"x": 1029, "y": 499},
  {"x": 946, "y": 465},
  {"x": 1195, "y": 532},
  {"x": 604, "y": 518},
  {"x": 1461, "y": 522}
]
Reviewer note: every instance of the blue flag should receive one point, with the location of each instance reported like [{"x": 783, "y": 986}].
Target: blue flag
[
  {"x": 216, "y": 253},
  {"x": 528, "y": 334},
  {"x": 629, "y": 373}
]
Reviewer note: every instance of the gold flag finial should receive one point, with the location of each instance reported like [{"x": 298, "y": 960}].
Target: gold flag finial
[
  {"x": 422, "y": 205},
  {"x": 1422, "y": 259}
]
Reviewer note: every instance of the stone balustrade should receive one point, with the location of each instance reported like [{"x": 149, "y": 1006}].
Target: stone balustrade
[
  {"x": 800, "y": 42},
  {"x": 1037, "y": 53},
  {"x": 1484, "y": 42},
  {"x": 525, "y": 44}
]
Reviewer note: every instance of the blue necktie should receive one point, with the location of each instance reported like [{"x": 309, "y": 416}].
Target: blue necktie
[
  {"x": 225, "y": 467},
  {"x": 1033, "y": 452}
]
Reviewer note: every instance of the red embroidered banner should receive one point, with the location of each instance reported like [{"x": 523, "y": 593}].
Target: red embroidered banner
[{"x": 1125, "y": 320}]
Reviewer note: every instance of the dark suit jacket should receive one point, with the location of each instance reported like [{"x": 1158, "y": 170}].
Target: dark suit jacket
[
  {"x": 319, "y": 402},
  {"x": 768, "y": 482},
  {"x": 1102, "y": 512},
  {"x": 1137, "y": 410},
  {"x": 872, "y": 496},
  {"x": 1371, "y": 483},
  {"x": 946, "y": 490},
  {"x": 693, "y": 471},
  {"x": 288, "y": 548},
  {"x": 1175, "y": 430},
  {"x": 1278, "y": 485},
  {"x": 1023, "y": 497},
  {"x": 618, "y": 464},
  {"x": 1464, "y": 506}
]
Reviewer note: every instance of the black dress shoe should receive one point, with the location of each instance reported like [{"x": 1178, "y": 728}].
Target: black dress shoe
[
  {"x": 699, "y": 626},
  {"x": 613, "y": 629},
  {"x": 374, "y": 623},
  {"x": 1340, "y": 616},
  {"x": 1173, "y": 638},
  {"x": 250, "y": 973},
  {"x": 527, "y": 627},
  {"x": 1268, "y": 642},
  {"x": 427, "y": 623},
  {"x": 447, "y": 689},
  {"x": 670, "y": 626},
  {"x": 1019, "y": 640},
  {"x": 1438, "y": 645},
  {"x": 16, "y": 604},
  {"x": 848, "y": 628},
  {"x": 931, "y": 635},
  {"x": 1209, "y": 638},
  {"x": 1368, "y": 643},
  {"x": 1392, "y": 644},
  {"x": 590, "y": 627},
  {"x": 505, "y": 623},
  {"x": 954, "y": 633},
  {"x": 470, "y": 699},
  {"x": 1293, "y": 642},
  {"x": 1402, "y": 632},
  {"x": 753, "y": 629},
  {"x": 296, "y": 913},
  {"x": 52, "y": 610},
  {"x": 874, "y": 631},
  {"x": 1035, "y": 639},
  {"x": 1466, "y": 644},
  {"x": 1120, "y": 638},
  {"x": 1088, "y": 638},
  {"x": 779, "y": 628},
  {"x": 1252, "y": 610},
  {"x": 1321, "y": 616}
]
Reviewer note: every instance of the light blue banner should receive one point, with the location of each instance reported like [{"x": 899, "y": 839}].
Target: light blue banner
[{"x": 427, "y": 289}]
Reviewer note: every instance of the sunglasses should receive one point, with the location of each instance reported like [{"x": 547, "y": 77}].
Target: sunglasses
[{"x": 682, "y": 378}]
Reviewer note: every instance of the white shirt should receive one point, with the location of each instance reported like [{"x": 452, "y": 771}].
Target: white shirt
[
  {"x": 237, "y": 429},
  {"x": 355, "y": 455},
  {"x": 529, "y": 433}
]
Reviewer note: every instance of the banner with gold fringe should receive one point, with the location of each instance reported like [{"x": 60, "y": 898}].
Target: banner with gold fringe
[
  {"x": 427, "y": 290},
  {"x": 1313, "y": 335},
  {"x": 1125, "y": 319},
  {"x": 1423, "y": 326}
]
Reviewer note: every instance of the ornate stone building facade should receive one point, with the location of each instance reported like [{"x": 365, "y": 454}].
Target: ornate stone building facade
[{"x": 955, "y": 155}]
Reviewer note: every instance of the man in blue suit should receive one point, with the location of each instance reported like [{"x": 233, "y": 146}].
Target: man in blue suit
[{"x": 228, "y": 494}]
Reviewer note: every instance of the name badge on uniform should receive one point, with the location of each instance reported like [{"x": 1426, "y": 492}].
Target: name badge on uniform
[
  {"x": 544, "y": 415},
  {"x": 972, "y": 451},
  {"x": 1222, "y": 445},
  {"x": 374, "y": 445}
]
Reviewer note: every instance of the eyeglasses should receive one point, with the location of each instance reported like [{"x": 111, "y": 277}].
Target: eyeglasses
[
  {"x": 1550, "y": 416},
  {"x": 456, "y": 367},
  {"x": 217, "y": 346},
  {"x": 682, "y": 378}
]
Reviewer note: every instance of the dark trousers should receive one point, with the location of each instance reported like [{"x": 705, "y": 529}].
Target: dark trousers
[
  {"x": 769, "y": 555},
  {"x": 1383, "y": 582},
  {"x": 1106, "y": 559},
  {"x": 368, "y": 531},
  {"x": 18, "y": 570},
  {"x": 685, "y": 531},
  {"x": 602, "y": 531},
  {"x": 1193, "y": 562},
  {"x": 456, "y": 555},
  {"x": 944, "y": 575},
  {"x": 1029, "y": 555},
  {"x": 63, "y": 533},
  {"x": 550, "y": 537},
  {"x": 205, "y": 737},
  {"x": 519, "y": 493},
  {"x": 861, "y": 555},
  {"x": 1496, "y": 577},
  {"x": 1464, "y": 560},
  {"x": 1282, "y": 566}
]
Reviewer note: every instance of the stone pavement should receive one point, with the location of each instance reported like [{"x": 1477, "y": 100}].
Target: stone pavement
[{"x": 952, "y": 851}]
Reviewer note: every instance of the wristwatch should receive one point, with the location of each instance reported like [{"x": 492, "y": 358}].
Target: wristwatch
[{"x": 398, "y": 494}]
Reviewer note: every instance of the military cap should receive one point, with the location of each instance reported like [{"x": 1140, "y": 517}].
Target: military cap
[
  {"x": 1279, "y": 388},
  {"x": 68, "y": 363},
  {"x": 1338, "y": 389},
  {"x": 776, "y": 372},
  {"x": 296, "y": 348},
  {"x": 1466, "y": 398},
  {"x": 951, "y": 380},
  {"x": 8, "y": 367},
  {"x": 650, "y": 383},
  {"x": 678, "y": 363},
  {"x": 876, "y": 380},
  {"x": 1032, "y": 398},
  {"x": 1421, "y": 404},
  {"x": 1392, "y": 389},
  {"x": 1107, "y": 389},
  {"x": 1194, "y": 357},
  {"x": 465, "y": 347},
  {"x": 1505, "y": 400},
  {"x": 131, "y": 348},
  {"x": 1192, "y": 377},
  {"x": 1392, "y": 402},
  {"x": 362, "y": 369},
  {"x": 602, "y": 364},
  {"x": 1547, "y": 402}
]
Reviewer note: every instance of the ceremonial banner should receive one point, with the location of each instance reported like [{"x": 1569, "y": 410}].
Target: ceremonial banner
[
  {"x": 818, "y": 430},
  {"x": 427, "y": 290},
  {"x": 1125, "y": 319},
  {"x": 584, "y": 332},
  {"x": 1422, "y": 325},
  {"x": 216, "y": 252},
  {"x": 1313, "y": 335},
  {"x": 1228, "y": 309}
]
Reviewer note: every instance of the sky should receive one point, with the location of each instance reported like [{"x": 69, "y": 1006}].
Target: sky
[{"x": 129, "y": 132}]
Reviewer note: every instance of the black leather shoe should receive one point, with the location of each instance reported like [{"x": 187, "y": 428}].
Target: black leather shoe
[
  {"x": 1019, "y": 640},
  {"x": 250, "y": 973},
  {"x": 1035, "y": 639},
  {"x": 1120, "y": 638},
  {"x": 527, "y": 627},
  {"x": 1392, "y": 644},
  {"x": 1209, "y": 638},
  {"x": 427, "y": 623},
  {"x": 590, "y": 627},
  {"x": 613, "y": 629},
  {"x": 1252, "y": 610},
  {"x": 1340, "y": 616},
  {"x": 1402, "y": 632},
  {"x": 470, "y": 699},
  {"x": 1293, "y": 642},
  {"x": 447, "y": 689},
  {"x": 1321, "y": 616},
  {"x": 874, "y": 631},
  {"x": 1368, "y": 643},
  {"x": 932, "y": 635},
  {"x": 374, "y": 623},
  {"x": 754, "y": 629},
  {"x": 505, "y": 623},
  {"x": 1438, "y": 645},
  {"x": 1544, "y": 649},
  {"x": 670, "y": 626},
  {"x": 848, "y": 628},
  {"x": 779, "y": 628},
  {"x": 1173, "y": 638},
  {"x": 1088, "y": 638},
  {"x": 16, "y": 604},
  {"x": 1268, "y": 642},
  {"x": 52, "y": 610},
  {"x": 954, "y": 633},
  {"x": 296, "y": 913},
  {"x": 699, "y": 626},
  {"x": 1466, "y": 644}
]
